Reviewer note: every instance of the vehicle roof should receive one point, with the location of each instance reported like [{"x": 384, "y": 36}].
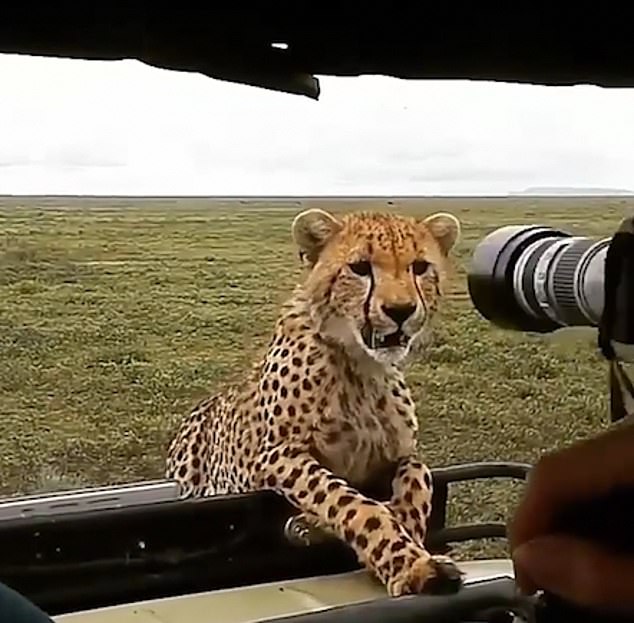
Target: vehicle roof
[{"x": 547, "y": 44}]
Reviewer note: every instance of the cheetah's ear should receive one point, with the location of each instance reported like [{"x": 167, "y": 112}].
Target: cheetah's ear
[
  {"x": 311, "y": 231},
  {"x": 445, "y": 228}
]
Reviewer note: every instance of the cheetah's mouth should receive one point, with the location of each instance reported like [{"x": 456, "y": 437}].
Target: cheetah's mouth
[{"x": 374, "y": 340}]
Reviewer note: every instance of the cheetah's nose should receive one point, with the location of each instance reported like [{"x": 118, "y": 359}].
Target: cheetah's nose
[{"x": 398, "y": 313}]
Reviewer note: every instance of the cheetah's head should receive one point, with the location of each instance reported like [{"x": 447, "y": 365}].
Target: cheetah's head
[{"x": 375, "y": 279}]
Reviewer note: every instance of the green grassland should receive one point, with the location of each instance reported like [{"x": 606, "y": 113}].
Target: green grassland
[{"x": 116, "y": 315}]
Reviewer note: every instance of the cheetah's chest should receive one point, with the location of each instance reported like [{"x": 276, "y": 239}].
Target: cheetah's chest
[{"x": 364, "y": 431}]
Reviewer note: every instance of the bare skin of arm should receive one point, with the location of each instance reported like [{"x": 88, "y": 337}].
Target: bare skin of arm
[{"x": 578, "y": 570}]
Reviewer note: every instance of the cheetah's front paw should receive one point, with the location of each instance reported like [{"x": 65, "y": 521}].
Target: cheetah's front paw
[{"x": 427, "y": 574}]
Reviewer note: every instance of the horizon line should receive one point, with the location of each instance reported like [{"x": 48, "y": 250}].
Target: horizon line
[{"x": 235, "y": 197}]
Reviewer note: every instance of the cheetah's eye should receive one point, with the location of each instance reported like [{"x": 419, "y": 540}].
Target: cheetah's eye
[
  {"x": 420, "y": 267},
  {"x": 363, "y": 269}
]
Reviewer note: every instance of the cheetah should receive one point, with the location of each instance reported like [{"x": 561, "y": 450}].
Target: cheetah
[{"x": 327, "y": 409}]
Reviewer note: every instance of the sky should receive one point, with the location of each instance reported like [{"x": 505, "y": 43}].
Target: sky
[{"x": 125, "y": 128}]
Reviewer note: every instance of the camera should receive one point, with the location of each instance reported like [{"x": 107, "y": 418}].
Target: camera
[
  {"x": 536, "y": 278},
  {"x": 540, "y": 279}
]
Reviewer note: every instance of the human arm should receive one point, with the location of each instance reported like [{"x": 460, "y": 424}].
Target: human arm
[{"x": 579, "y": 570}]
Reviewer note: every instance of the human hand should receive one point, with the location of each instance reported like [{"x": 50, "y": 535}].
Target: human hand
[{"x": 575, "y": 569}]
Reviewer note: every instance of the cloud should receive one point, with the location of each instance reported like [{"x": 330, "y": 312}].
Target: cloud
[{"x": 121, "y": 127}]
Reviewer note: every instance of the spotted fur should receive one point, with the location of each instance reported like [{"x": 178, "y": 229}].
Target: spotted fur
[{"x": 327, "y": 409}]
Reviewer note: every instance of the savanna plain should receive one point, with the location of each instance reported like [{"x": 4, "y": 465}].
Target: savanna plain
[{"x": 117, "y": 315}]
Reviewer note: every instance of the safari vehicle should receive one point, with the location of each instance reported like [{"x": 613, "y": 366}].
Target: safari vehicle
[{"x": 138, "y": 552}]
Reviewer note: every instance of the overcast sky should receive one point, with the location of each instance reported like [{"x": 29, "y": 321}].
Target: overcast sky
[{"x": 91, "y": 127}]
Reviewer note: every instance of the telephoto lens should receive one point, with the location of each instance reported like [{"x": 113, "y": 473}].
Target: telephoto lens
[{"x": 538, "y": 279}]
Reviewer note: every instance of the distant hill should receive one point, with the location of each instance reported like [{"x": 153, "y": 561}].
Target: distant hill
[{"x": 578, "y": 192}]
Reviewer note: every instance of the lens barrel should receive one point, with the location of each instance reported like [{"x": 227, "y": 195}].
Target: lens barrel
[{"x": 537, "y": 278}]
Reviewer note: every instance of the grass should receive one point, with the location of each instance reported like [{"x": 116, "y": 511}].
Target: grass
[{"x": 116, "y": 315}]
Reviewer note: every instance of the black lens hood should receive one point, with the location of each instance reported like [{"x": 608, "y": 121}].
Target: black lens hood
[{"x": 490, "y": 277}]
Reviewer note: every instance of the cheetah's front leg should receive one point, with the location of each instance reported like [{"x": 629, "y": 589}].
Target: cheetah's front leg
[
  {"x": 411, "y": 496},
  {"x": 369, "y": 527},
  {"x": 410, "y": 502}
]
